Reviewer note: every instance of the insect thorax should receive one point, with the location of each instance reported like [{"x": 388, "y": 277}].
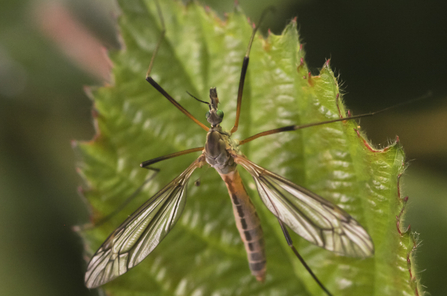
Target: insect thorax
[{"x": 218, "y": 149}]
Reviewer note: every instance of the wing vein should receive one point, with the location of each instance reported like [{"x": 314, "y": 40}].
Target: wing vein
[
  {"x": 141, "y": 232},
  {"x": 310, "y": 215}
]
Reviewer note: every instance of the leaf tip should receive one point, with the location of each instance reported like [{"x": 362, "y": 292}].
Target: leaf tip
[
  {"x": 310, "y": 80},
  {"x": 300, "y": 65},
  {"x": 76, "y": 228},
  {"x": 88, "y": 91}
]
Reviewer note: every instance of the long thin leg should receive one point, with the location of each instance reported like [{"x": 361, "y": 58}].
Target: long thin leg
[
  {"x": 156, "y": 85},
  {"x": 244, "y": 72},
  {"x": 160, "y": 39},
  {"x": 147, "y": 163},
  {"x": 296, "y": 127},
  {"x": 290, "y": 243}
]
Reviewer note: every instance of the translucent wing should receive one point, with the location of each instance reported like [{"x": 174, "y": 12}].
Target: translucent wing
[
  {"x": 130, "y": 243},
  {"x": 309, "y": 215}
]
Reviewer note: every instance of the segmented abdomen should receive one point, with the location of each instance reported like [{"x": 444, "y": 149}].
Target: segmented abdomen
[{"x": 248, "y": 224}]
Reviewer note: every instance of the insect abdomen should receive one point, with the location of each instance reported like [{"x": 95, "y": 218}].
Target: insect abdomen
[{"x": 248, "y": 224}]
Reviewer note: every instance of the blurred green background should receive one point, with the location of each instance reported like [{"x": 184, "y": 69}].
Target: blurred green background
[{"x": 385, "y": 52}]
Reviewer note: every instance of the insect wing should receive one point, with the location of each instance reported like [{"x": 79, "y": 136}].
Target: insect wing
[
  {"x": 309, "y": 215},
  {"x": 139, "y": 234}
]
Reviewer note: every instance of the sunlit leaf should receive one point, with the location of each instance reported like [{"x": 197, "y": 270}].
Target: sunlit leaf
[{"x": 203, "y": 254}]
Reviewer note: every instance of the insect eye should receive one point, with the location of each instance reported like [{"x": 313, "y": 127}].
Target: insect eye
[
  {"x": 220, "y": 113},
  {"x": 207, "y": 114}
]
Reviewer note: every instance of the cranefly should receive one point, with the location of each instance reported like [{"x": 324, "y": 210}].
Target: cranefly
[{"x": 306, "y": 213}]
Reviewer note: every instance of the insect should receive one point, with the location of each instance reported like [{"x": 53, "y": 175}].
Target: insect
[{"x": 309, "y": 215}]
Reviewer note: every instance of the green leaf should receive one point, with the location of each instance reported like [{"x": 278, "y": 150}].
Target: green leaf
[{"x": 203, "y": 254}]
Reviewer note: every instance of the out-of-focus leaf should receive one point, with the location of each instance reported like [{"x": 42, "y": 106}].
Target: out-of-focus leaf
[{"x": 203, "y": 255}]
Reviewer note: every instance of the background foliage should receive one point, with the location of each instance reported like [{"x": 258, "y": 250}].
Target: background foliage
[{"x": 383, "y": 58}]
